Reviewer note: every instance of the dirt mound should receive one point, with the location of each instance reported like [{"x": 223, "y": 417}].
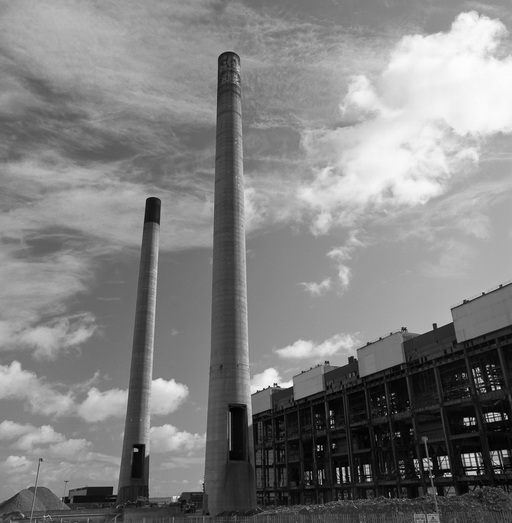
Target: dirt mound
[
  {"x": 482, "y": 499},
  {"x": 22, "y": 501},
  {"x": 49, "y": 499},
  {"x": 489, "y": 498}
]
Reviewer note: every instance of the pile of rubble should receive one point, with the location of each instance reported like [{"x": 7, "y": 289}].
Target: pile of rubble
[
  {"x": 482, "y": 499},
  {"x": 22, "y": 501}
]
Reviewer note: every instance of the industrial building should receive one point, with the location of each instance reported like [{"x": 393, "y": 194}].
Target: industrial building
[
  {"x": 365, "y": 429},
  {"x": 85, "y": 496}
]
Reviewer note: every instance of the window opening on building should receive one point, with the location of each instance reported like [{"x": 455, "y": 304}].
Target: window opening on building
[
  {"x": 308, "y": 477},
  {"x": 321, "y": 476},
  {"x": 500, "y": 460},
  {"x": 493, "y": 417},
  {"x": 473, "y": 463},
  {"x": 469, "y": 421}
]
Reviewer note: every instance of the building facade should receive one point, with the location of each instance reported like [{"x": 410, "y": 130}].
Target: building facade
[
  {"x": 88, "y": 495},
  {"x": 364, "y": 429}
]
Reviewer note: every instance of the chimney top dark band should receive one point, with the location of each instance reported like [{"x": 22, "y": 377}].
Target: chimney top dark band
[
  {"x": 152, "y": 213},
  {"x": 229, "y": 54}
]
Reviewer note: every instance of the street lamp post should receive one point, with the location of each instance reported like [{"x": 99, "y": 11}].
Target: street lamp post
[
  {"x": 35, "y": 489},
  {"x": 425, "y": 440}
]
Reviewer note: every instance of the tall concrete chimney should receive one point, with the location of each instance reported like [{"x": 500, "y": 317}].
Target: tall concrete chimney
[
  {"x": 134, "y": 472},
  {"x": 229, "y": 469}
]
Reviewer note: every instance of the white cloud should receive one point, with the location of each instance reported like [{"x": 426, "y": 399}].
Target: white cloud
[
  {"x": 37, "y": 396},
  {"x": 340, "y": 255},
  {"x": 42, "y": 398},
  {"x": 38, "y": 285},
  {"x": 61, "y": 334},
  {"x": 100, "y": 405},
  {"x": 418, "y": 125},
  {"x": 268, "y": 378},
  {"x": 344, "y": 254},
  {"x": 68, "y": 459},
  {"x": 35, "y": 438},
  {"x": 317, "y": 289},
  {"x": 10, "y": 430},
  {"x": 41, "y": 440},
  {"x": 19, "y": 470},
  {"x": 333, "y": 346},
  {"x": 167, "y": 396},
  {"x": 167, "y": 438},
  {"x": 18, "y": 463}
]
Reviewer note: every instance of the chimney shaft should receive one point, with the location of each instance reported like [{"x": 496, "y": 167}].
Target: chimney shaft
[
  {"x": 229, "y": 467},
  {"x": 134, "y": 472}
]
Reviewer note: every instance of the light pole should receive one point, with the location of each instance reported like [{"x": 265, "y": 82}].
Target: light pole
[
  {"x": 425, "y": 439},
  {"x": 35, "y": 489},
  {"x": 66, "y": 481}
]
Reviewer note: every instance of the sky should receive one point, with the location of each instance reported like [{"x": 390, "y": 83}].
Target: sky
[{"x": 377, "y": 161}]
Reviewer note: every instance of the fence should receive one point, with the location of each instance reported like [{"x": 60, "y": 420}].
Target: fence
[{"x": 361, "y": 517}]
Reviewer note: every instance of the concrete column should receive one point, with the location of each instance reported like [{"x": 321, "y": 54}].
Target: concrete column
[
  {"x": 134, "y": 472},
  {"x": 229, "y": 468}
]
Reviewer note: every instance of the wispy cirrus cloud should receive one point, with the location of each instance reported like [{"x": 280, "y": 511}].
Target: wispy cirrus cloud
[
  {"x": 452, "y": 261},
  {"x": 50, "y": 339},
  {"x": 317, "y": 289},
  {"x": 341, "y": 256},
  {"x": 105, "y": 107}
]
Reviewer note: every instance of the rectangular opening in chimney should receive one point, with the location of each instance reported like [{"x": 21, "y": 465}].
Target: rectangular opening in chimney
[
  {"x": 237, "y": 429},
  {"x": 138, "y": 454}
]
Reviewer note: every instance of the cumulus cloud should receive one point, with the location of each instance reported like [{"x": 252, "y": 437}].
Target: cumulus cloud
[
  {"x": 167, "y": 438},
  {"x": 167, "y": 396},
  {"x": 36, "y": 395},
  {"x": 42, "y": 398},
  {"x": 63, "y": 456},
  {"x": 30, "y": 439},
  {"x": 333, "y": 346},
  {"x": 406, "y": 135},
  {"x": 100, "y": 405},
  {"x": 267, "y": 378}
]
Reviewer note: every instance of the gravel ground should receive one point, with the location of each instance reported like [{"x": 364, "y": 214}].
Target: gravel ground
[{"x": 486, "y": 498}]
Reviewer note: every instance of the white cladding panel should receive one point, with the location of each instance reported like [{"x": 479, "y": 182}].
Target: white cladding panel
[
  {"x": 310, "y": 381},
  {"x": 381, "y": 354},
  {"x": 262, "y": 400},
  {"x": 487, "y": 313}
]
